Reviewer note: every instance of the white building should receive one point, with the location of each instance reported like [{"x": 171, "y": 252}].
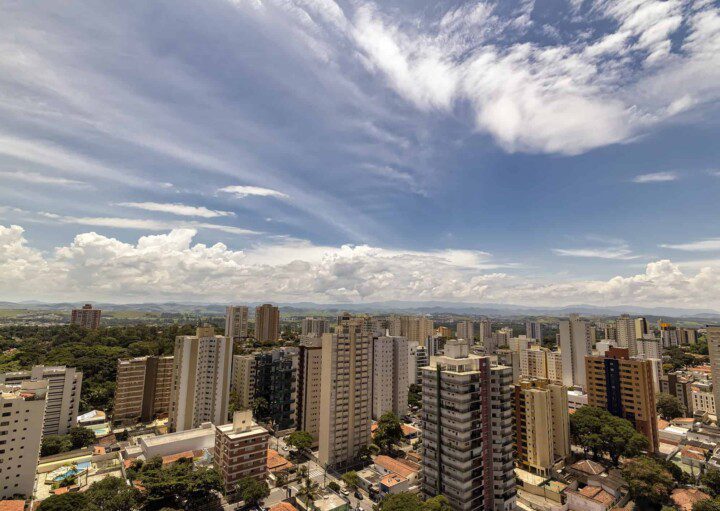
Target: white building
[
  {"x": 533, "y": 330},
  {"x": 625, "y": 333},
  {"x": 702, "y": 397},
  {"x": 236, "y": 322},
  {"x": 522, "y": 342},
  {"x": 575, "y": 345},
  {"x": 576, "y": 399},
  {"x": 314, "y": 327}
]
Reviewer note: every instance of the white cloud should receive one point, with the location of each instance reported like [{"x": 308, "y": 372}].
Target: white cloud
[
  {"x": 143, "y": 223},
  {"x": 656, "y": 177},
  {"x": 42, "y": 179},
  {"x": 622, "y": 253},
  {"x": 244, "y": 191},
  {"x": 697, "y": 246},
  {"x": 177, "y": 209}
]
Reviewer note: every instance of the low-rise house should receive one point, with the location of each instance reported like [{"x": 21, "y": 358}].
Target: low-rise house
[
  {"x": 684, "y": 498},
  {"x": 589, "y": 498},
  {"x": 407, "y": 469}
]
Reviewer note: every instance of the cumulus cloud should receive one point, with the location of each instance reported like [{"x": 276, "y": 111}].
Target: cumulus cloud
[
  {"x": 172, "y": 266},
  {"x": 656, "y": 177},
  {"x": 177, "y": 209}
]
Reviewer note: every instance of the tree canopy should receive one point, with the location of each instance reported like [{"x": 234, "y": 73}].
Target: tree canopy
[
  {"x": 411, "y": 502},
  {"x": 669, "y": 407},
  {"x": 649, "y": 483},
  {"x": 711, "y": 481},
  {"x": 600, "y": 432},
  {"x": 388, "y": 433},
  {"x": 251, "y": 491},
  {"x": 300, "y": 440}
]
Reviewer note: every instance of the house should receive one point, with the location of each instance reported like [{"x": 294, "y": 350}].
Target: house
[
  {"x": 684, "y": 498},
  {"x": 277, "y": 463},
  {"x": 393, "y": 483},
  {"x": 589, "y": 498},
  {"x": 283, "y": 506},
  {"x": 407, "y": 469}
]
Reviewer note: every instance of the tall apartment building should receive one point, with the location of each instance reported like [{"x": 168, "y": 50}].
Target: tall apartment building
[
  {"x": 416, "y": 328},
  {"x": 668, "y": 335},
  {"x": 641, "y": 328},
  {"x": 609, "y": 330},
  {"x": 345, "y": 395},
  {"x": 86, "y": 317},
  {"x": 624, "y": 386},
  {"x": 465, "y": 330},
  {"x": 22, "y": 408},
  {"x": 554, "y": 366},
  {"x": 521, "y": 343},
  {"x": 315, "y": 327},
  {"x": 542, "y": 424},
  {"x": 686, "y": 336},
  {"x": 702, "y": 398},
  {"x": 421, "y": 360},
  {"x": 390, "y": 376},
  {"x": 240, "y": 450},
  {"x": 236, "y": 322},
  {"x": 626, "y": 336},
  {"x": 650, "y": 348},
  {"x": 267, "y": 323},
  {"x": 713, "y": 340},
  {"x": 484, "y": 330},
  {"x": 679, "y": 384},
  {"x": 309, "y": 385},
  {"x": 242, "y": 381},
  {"x": 575, "y": 345},
  {"x": 533, "y": 362},
  {"x": 143, "y": 388},
  {"x": 63, "y": 395},
  {"x": 201, "y": 379},
  {"x": 500, "y": 338},
  {"x": 467, "y": 431},
  {"x": 444, "y": 331},
  {"x": 533, "y": 330}
]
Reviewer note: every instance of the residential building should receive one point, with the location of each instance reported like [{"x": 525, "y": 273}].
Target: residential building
[
  {"x": 542, "y": 425},
  {"x": 143, "y": 387},
  {"x": 679, "y": 384},
  {"x": 686, "y": 336},
  {"x": 465, "y": 330},
  {"x": 309, "y": 385},
  {"x": 416, "y": 328},
  {"x": 668, "y": 335},
  {"x": 533, "y": 330},
  {"x": 703, "y": 400},
  {"x": 412, "y": 363},
  {"x": 624, "y": 387},
  {"x": 533, "y": 362},
  {"x": 242, "y": 381},
  {"x": 390, "y": 376},
  {"x": 508, "y": 358},
  {"x": 86, "y": 317},
  {"x": 648, "y": 347},
  {"x": 642, "y": 330},
  {"x": 241, "y": 450},
  {"x": 484, "y": 330},
  {"x": 554, "y": 366},
  {"x": 443, "y": 331},
  {"x": 575, "y": 345},
  {"x": 22, "y": 408},
  {"x": 421, "y": 360},
  {"x": 315, "y": 327},
  {"x": 346, "y": 394},
  {"x": 625, "y": 333},
  {"x": 522, "y": 342},
  {"x": 713, "y": 340},
  {"x": 236, "y": 322},
  {"x": 467, "y": 431},
  {"x": 267, "y": 323},
  {"x": 576, "y": 399},
  {"x": 63, "y": 394},
  {"x": 201, "y": 379}
]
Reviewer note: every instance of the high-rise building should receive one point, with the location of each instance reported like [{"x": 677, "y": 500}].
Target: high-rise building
[
  {"x": 484, "y": 330},
  {"x": 390, "y": 376},
  {"x": 267, "y": 323},
  {"x": 626, "y": 336},
  {"x": 416, "y": 328},
  {"x": 315, "y": 327},
  {"x": 686, "y": 336},
  {"x": 444, "y": 331},
  {"x": 242, "y": 381},
  {"x": 346, "y": 394},
  {"x": 542, "y": 424},
  {"x": 412, "y": 363},
  {"x": 309, "y": 385},
  {"x": 624, "y": 387},
  {"x": 467, "y": 431},
  {"x": 236, "y": 322},
  {"x": 668, "y": 335},
  {"x": 713, "y": 340},
  {"x": 201, "y": 379},
  {"x": 679, "y": 384},
  {"x": 649, "y": 348},
  {"x": 22, "y": 408},
  {"x": 533, "y": 362},
  {"x": 499, "y": 339},
  {"x": 86, "y": 317},
  {"x": 554, "y": 366},
  {"x": 63, "y": 395},
  {"x": 421, "y": 360},
  {"x": 465, "y": 330},
  {"x": 641, "y": 328},
  {"x": 575, "y": 345},
  {"x": 533, "y": 330},
  {"x": 240, "y": 450},
  {"x": 143, "y": 388},
  {"x": 522, "y": 342}
]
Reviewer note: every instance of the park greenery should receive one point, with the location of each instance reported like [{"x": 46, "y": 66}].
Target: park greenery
[{"x": 600, "y": 433}]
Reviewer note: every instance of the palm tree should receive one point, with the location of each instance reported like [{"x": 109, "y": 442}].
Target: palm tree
[
  {"x": 309, "y": 492},
  {"x": 302, "y": 471}
]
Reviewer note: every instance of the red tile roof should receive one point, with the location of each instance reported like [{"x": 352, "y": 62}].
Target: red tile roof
[
  {"x": 685, "y": 498},
  {"x": 402, "y": 468},
  {"x": 277, "y": 463},
  {"x": 598, "y": 494},
  {"x": 12, "y": 505},
  {"x": 283, "y": 506}
]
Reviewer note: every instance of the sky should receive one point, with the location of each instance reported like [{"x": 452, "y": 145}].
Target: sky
[{"x": 537, "y": 153}]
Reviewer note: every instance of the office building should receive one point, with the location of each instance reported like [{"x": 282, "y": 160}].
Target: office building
[
  {"x": 267, "y": 323},
  {"x": 22, "y": 408},
  {"x": 315, "y": 327},
  {"x": 625, "y": 333},
  {"x": 533, "y": 330},
  {"x": 143, "y": 388},
  {"x": 86, "y": 317},
  {"x": 345, "y": 395},
  {"x": 390, "y": 376},
  {"x": 467, "y": 431},
  {"x": 63, "y": 394},
  {"x": 201, "y": 379},
  {"x": 542, "y": 425},
  {"x": 236, "y": 322},
  {"x": 309, "y": 384},
  {"x": 465, "y": 330},
  {"x": 575, "y": 345},
  {"x": 624, "y": 387},
  {"x": 241, "y": 449},
  {"x": 416, "y": 328}
]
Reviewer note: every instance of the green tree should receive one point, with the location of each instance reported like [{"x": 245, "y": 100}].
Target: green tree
[
  {"x": 669, "y": 407},
  {"x": 351, "y": 479},
  {"x": 55, "y": 444},
  {"x": 64, "y": 502},
  {"x": 711, "y": 480},
  {"x": 81, "y": 437},
  {"x": 300, "y": 440},
  {"x": 438, "y": 503},
  {"x": 251, "y": 491},
  {"x": 648, "y": 482},
  {"x": 180, "y": 485},
  {"x": 706, "y": 505},
  {"x": 334, "y": 486},
  {"x": 415, "y": 395},
  {"x": 388, "y": 433},
  {"x": 309, "y": 492},
  {"x": 401, "y": 502},
  {"x": 598, "y": 431},
  {"x": 261, "y": 408},
  {"x": 112, "y": 494}
]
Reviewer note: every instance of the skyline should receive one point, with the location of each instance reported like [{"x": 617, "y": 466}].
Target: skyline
[{"x": 476, "y": 152}]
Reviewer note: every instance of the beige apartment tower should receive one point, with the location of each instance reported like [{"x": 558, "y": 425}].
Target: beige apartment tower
[
  {"x": 86, "y": 317},
  {"x": 390, "y": 376},
  {"x": 201, "y": 379},
  {"x": 143, "y": 388},
  {"x": 345, "y": 395},
  {"x": 22, "y": 408},
  {"x": 309, "y": 385},
  {"x": 236, "y": 322},
  {"x": 243, "y": 380},
  {"x": 416, "y": 328},
  {"x": 267, "y": 323},
  {"x": 713, "y": 340},
  {"x": 625, "y": 334}
]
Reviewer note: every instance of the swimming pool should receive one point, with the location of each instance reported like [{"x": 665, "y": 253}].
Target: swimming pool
[{"x": 63, "y": 473}]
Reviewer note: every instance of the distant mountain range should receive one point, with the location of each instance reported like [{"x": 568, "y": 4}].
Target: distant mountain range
[{"x": 408, "y": 307}]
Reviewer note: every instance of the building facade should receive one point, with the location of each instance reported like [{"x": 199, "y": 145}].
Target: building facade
[
  {"x": 143, "y": 388},
  {"x": 267, "y": 323},
  {"x": 236, "y": 322},
  {"x": 315, "y": 327},
  {"x": 713, "y": 340},
  {"x": 575, "y": 345},
  {"x": 416, "y": 328},
  {"x": 533, "y": 330},
  {"x": 309, "y": 385},
  {"x": 241, "y": 449},
  {"x": 465, "y": 330},
  {"x": 390, "y": 376},
  {"x": 625, "y": 333},
  {"x": 86, "y": 317}
]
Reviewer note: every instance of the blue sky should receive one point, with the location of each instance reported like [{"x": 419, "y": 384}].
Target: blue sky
[{"x": 521, "y": 152}]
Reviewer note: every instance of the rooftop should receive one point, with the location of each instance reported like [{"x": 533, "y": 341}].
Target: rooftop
[
  {"x": 588, "y": 467},
  {"x": 685, "y": 498},
  {"x": 283, "y": 506},
  {"x": 391, "y": 480},
  {"x": 403, "y": 468},
  {"x": 12, "y": 505},
  {"x": 598, "y": 494}
]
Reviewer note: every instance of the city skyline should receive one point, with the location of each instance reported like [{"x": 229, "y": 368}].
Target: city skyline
[{"x": 471, "y": 152}]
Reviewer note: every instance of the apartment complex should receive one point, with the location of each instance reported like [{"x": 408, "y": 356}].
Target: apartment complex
[
  {"x": 240, "y": 450},
  {"x": 416, "y": 328},
  {"x": 267, "y": 323},
  {"x": 86, "y": 317},
  {"x": 22, "y": 408},
  {"x": 484, "y": 330},
  {"x": 314, "y": 327},
  {"x": 465, "y": 330},
  {"x": 346, "y": 392},
  {"x": 713, "y": 340},
  {"x": 624, "y": 386},
  {"x": 309, "y": 384},
  {"x": 533, "y": 330},
  {"x": 542, "y": 424},
  {"x": 391, "y": 359},
  {"x": 143, "y": 388},
  {"x": 236, "y": 322},
  {"x": 201, "y": 379},
  {"x": 63, "y": 394},
  {"x": 575, "y": 344},
  {"x": 679, "y": 384},
  {"x": 442, "y": 331},
  {"x": 467, "y": 431}
]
